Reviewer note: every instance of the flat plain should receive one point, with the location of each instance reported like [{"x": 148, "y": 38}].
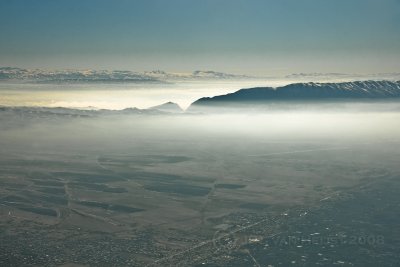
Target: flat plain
[{"x": 189, "y": 190}]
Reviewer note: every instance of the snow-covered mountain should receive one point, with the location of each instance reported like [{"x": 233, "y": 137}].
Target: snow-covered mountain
[
  {"x": 197, "y": 75},
  {"x": 336, "y": 76},
  {"x": 218, "y": 75},
  {"x": 40, "y": 75},
  {"x": 160, "y": 76}
]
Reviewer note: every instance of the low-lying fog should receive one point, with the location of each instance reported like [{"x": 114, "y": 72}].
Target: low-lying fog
[{"x": 326, "y": 124}]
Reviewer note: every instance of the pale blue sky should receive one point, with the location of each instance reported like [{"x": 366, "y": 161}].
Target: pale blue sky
[{"x": 240, "y": 36}]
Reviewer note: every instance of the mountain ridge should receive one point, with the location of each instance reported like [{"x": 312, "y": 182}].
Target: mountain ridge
[
  {"x": 90, "y": 75},
  {"x": 309, "y": 91}
]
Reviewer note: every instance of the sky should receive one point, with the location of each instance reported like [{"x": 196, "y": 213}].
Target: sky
[{"x": 263, "y": 37}]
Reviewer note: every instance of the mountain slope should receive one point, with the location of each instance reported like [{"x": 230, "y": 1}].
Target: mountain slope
[
  {"x": 308, "y": 91},
  {"x": 168, "y": 107}
]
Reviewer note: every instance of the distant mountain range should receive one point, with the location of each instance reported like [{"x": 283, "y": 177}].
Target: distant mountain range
[
  {"x": 307, "y": 92},
  {"x": 65, "y": 76},
  {"x": 10, "y": 74},
  {"x": 61, "y": 112},
  {"x": 252, "y": 97},
  {"x": 37, "y": 112},
  {"x": 197, "y": 75},
  {"x": 329, "y": 76},
  {"x": 39, "y": 75}
]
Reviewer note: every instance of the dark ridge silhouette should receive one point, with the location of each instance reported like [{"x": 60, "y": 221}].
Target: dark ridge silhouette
[{"x": 308, "y": 91}]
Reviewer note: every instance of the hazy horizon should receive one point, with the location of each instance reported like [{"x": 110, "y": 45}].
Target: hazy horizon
[{"x": 109, "y": 89}]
